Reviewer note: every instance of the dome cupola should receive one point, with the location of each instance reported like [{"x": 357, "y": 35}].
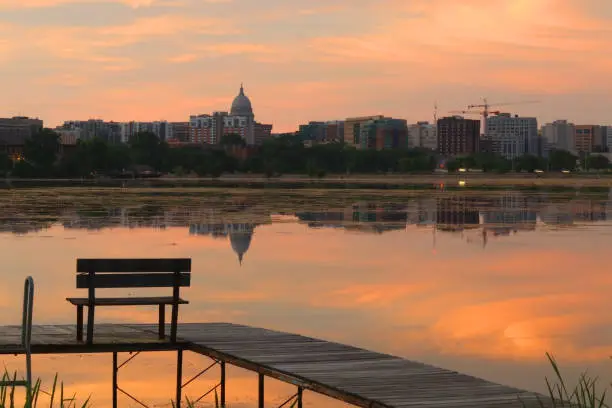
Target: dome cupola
[{"x": 241, "y": 105}]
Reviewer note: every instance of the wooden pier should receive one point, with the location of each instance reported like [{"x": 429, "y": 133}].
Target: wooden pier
[{"x": 356, "y": 376}]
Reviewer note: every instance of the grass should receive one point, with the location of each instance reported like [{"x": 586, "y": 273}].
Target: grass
[
  {"x": 56, "y": 395},
  {"x": 586, "y": 393}
]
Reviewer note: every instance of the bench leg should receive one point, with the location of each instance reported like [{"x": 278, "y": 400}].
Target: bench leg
[
  {"x": 162, "y": 321},
  {"x": 79, "y": 327},
  {"x": 173, "y": 323},
  {"x": 90, "y": 323}
]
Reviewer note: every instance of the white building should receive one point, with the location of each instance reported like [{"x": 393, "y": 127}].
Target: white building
[
  {"x": 129, "y": 129},
  {"x": 512, "y": 136},
  {"x": 93, "y": 128},
  {"x": 423, "y": 134},
  {"x": 558, "y": 135},
  {"x": 69, "y": 136}
]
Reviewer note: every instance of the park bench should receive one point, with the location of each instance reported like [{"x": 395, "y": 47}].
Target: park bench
[{"x": 95, "y": 274}]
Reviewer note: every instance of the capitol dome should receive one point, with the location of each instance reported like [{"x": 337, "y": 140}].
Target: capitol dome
[
  {"x": 241, "y": 105},
  {"x": 241, "y": 241}
]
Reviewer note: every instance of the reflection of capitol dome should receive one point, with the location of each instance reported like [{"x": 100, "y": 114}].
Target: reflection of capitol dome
[
  {"x": 241, "y": 105},
  {"x": 240, "y": 243}
]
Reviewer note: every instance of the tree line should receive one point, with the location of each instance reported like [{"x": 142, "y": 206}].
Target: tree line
[{"x": 45, "y": 157}]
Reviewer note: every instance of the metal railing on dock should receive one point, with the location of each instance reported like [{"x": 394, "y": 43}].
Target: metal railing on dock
[{"x": 26, "y": 337}]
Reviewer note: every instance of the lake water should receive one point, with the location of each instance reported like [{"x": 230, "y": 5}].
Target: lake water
[{"x": 483, "y": 282}]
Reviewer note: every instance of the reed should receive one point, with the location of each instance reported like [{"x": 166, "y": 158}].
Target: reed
[
  {"x": 57, "y": 398},
  {"x": 586, "y": 393}
]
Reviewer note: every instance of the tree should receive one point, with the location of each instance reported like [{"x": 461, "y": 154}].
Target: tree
[
  {"x": 528, "y": 163},
  {"x": 6, "y": 164},
  {"x": 562, "y": 160},
  {"x": 598, "y": 162},
  {"x": 41, "y": 152},
  {"x": 146, "y": 148}
]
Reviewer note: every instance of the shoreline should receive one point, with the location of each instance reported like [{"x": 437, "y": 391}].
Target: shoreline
[
  {"x": 359, "y": 180},
  {"x": 431, "y": 179}
]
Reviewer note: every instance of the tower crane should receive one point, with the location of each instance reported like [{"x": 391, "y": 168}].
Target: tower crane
[{"x": 485, "y": 110}]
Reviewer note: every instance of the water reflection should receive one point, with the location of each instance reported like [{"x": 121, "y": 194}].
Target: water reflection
[
  {"x": 494, "y": 214},
  {"x": 478, "y": 282}
]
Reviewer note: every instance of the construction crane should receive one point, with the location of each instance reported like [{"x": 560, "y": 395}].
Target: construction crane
[
  {"x": 486, "y": 111},
  {"x": 466, "y": 112}
]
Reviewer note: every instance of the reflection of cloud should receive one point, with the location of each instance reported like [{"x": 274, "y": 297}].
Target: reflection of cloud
[{"x": 529, "y": 293}]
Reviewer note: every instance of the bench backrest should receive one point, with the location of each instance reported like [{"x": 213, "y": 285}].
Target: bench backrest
[{"x": 133, "y": 273}]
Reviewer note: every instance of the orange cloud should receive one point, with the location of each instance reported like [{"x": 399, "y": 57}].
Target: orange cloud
[{"x": 324, "y": 61}]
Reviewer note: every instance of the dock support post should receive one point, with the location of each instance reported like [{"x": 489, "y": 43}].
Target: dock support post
[
  {"x": 179, "y": 377},
  {"x": 261, "y": 391},
  {"x": 115, "y": 379},
  {"x": 223, "y": 384},
  {"x": 299, "y": 397}
]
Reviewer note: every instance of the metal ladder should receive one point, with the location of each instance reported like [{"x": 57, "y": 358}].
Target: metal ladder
[{"x": 26, "y": 338}]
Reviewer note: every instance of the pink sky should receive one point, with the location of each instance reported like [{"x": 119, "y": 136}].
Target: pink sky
[{"x": 304, "y": 60}]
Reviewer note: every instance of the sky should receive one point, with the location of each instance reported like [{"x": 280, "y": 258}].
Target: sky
[{"x": 303, "y": 60}]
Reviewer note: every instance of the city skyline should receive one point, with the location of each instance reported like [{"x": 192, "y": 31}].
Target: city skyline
[{"x": 151, "y": 60}]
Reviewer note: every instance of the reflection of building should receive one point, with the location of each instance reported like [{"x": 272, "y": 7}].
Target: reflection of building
[
  {"x": 240, "y": 235},
  {"x": 588, "y": 211},
  {"x": 509, "y": 211},
  {"x": 457, "y": 213},
  {"x": 557, "y": 215},
  {"x": 422, "y": 211},
  {"x": 361, "y": 217},
  {"x": 608, "y": 206}
]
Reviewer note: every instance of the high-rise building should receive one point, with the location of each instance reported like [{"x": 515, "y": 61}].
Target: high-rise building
[
  {"x": 386, "y": 133},
  {"x": 95, "y": 128},
  {"x": 587, "y": 137},
  {"x": 322, "y": 132},
  {"x": 513, "y": 136},
  {"x": 206, "y": 128},
  {"x": 423, "y": 134},
  {"x": 262, "y": 133},
  {"x": 178, "y": 131},
  {"x": 609, "y": 138},
  {"x": 158, "y": 128},
  {"x": 600, "y": 137},
  {"x": 458, "y": 136},
  {"x": 352, "y": 129},
  {"x": 15, "y": 131},
  {"x": 558, "y": 135}
]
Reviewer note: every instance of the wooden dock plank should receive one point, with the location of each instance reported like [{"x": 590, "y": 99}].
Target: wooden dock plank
[{"x": 360, "y": 377}]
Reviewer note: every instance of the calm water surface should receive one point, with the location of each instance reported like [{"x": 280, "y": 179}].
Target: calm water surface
[{"x": 480, "y": 282}]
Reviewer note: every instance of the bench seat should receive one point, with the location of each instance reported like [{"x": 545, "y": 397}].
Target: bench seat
[{"x": 127, "y": 301}]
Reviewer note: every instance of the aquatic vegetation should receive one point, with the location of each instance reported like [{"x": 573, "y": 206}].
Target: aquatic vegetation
[
  {"x": 56, "y": 395},
  {"x": 587, "y": 393}
]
